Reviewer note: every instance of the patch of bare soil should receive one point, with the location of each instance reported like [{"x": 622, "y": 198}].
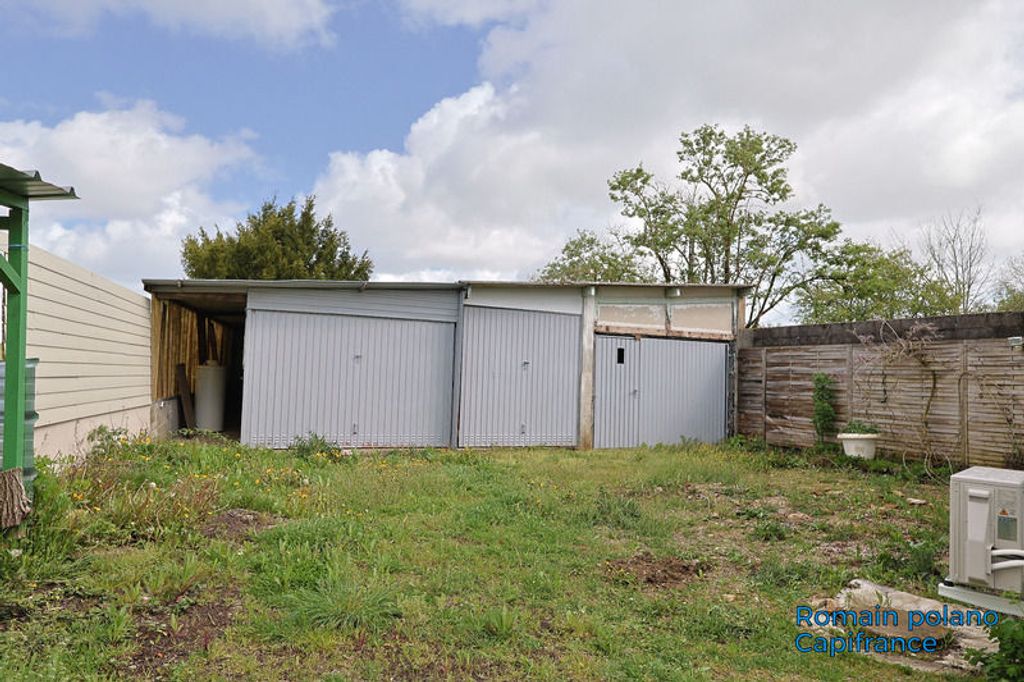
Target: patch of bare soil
[
  {"x": 11, "y": 612},
  {"x": 237, "y": 524},
  {"x": 164, "y": 640},
  {"x": 646, "y": 569},
  {"x": 50, "y": 598}
]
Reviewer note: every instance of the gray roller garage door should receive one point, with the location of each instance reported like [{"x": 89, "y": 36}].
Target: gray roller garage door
[
  {"x": 520, "y": 378},
  {"x": 653, "y": 390},
  {"x": 361, "y": 381}
]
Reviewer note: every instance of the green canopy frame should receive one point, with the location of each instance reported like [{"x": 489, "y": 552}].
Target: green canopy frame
[{"x": 17, "y": 189}]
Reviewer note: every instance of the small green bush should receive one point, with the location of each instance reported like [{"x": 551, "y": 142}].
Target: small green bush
[
  {"x": 316, "y": 448},
  {"x": 45, "y": 548},
  {"x": 857, "y": 426},
  {"x": 824, "y": 397},
  {"x": 1006, "y": 663}
]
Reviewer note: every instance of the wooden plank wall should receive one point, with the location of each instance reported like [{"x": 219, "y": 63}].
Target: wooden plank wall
[
  {"x": 175, "y": 334},
  {"x": 91, "y": 337},
  {"x": 958, "y": 401},
  {"x": 92, "y": 340}
]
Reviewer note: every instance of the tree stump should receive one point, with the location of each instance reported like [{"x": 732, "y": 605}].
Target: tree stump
[{"x": 14, "y": 503}]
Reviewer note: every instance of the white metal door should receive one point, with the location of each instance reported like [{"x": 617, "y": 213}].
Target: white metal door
[
  {"x": 653, "y": 390},
  {"x": 683, "y": 386},
  {"x": 616, "y": 392},
  {"x": 357, "y": 381},
  {"x": 520, "y": 378}
]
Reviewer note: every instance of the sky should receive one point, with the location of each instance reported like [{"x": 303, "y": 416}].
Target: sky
[{"x": 468, "y": 139}]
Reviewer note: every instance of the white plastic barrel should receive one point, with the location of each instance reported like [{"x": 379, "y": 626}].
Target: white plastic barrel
[{"x": 211, "y": 384}]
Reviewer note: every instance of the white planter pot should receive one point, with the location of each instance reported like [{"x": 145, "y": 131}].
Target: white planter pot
[{"x": 860, "y": 445}]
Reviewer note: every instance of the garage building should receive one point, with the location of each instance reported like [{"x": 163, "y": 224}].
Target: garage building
[{"x": 473, "y": 364}]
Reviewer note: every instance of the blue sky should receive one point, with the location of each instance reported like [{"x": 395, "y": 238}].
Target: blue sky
[
  {"x": 361, "y": 92},
  {"x": 470, "y": 138}
]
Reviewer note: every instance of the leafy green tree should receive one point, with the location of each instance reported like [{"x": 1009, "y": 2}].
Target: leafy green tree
[
  {"x": 277, "y": 242},
  {"x": 1010, "y": 293},
  {"x": 588, "y": 258},
  {"x": 860, "y": 281},
  {"x": 722, "y": 223}
]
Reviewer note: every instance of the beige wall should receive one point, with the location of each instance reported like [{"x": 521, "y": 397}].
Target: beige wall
[
  {"x": 698, "y": 312},
  {"x": 92, "y": 340},
  {"x": 690, "y": 311}
]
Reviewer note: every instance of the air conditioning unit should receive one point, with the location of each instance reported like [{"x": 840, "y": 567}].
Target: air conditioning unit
[{"x": 986, "y": 546}]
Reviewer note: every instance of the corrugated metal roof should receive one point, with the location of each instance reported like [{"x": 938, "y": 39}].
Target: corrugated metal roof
[
  {"x": 243, "y": 285},
  {"x": 30, "y": 184},
  {"x": 642, "y": 285}
]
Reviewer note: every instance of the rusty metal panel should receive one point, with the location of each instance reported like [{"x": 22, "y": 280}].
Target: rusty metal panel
[
  {"x": 356, "y": 381},
  {"x": 616, "y": 391},
  {"x": 520, "y": 377},
  {"x": 683, "y": 391}
]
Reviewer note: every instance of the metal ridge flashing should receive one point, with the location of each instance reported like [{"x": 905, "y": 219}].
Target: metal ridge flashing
[{"x": 242, "y": 285}]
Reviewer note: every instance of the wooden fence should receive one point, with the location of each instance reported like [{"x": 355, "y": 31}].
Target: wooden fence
[{"x": 938, "y": 398}]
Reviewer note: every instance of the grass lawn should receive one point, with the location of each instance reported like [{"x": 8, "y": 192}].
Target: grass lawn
[{"x": 665, "y": 563}]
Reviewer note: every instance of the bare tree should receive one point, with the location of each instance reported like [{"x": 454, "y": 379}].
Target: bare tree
[
  {"x": 1010, "y": 291},
  {"x": 956, "y": 248}
]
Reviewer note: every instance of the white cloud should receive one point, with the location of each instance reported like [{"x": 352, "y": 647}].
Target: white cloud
[
  {"x": 280, "y": 23},
  {"x": 901, "y": 112},
  {"x": 471, "y": 12},
  {"x": 143, "y": 182},
  {"x": 471, "y": 193}
]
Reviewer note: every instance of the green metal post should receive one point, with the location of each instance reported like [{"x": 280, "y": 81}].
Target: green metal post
[{"x": 17, "y": 321}]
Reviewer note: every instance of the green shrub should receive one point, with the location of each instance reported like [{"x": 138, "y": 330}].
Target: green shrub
[
  {"x": 1006, "y": 663},
  {"x": 315, "y": 448},
  {"x": 857, "y": 426},
  {"x": 824, "y": 408},
  {"x": 45, "y": 546}
]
